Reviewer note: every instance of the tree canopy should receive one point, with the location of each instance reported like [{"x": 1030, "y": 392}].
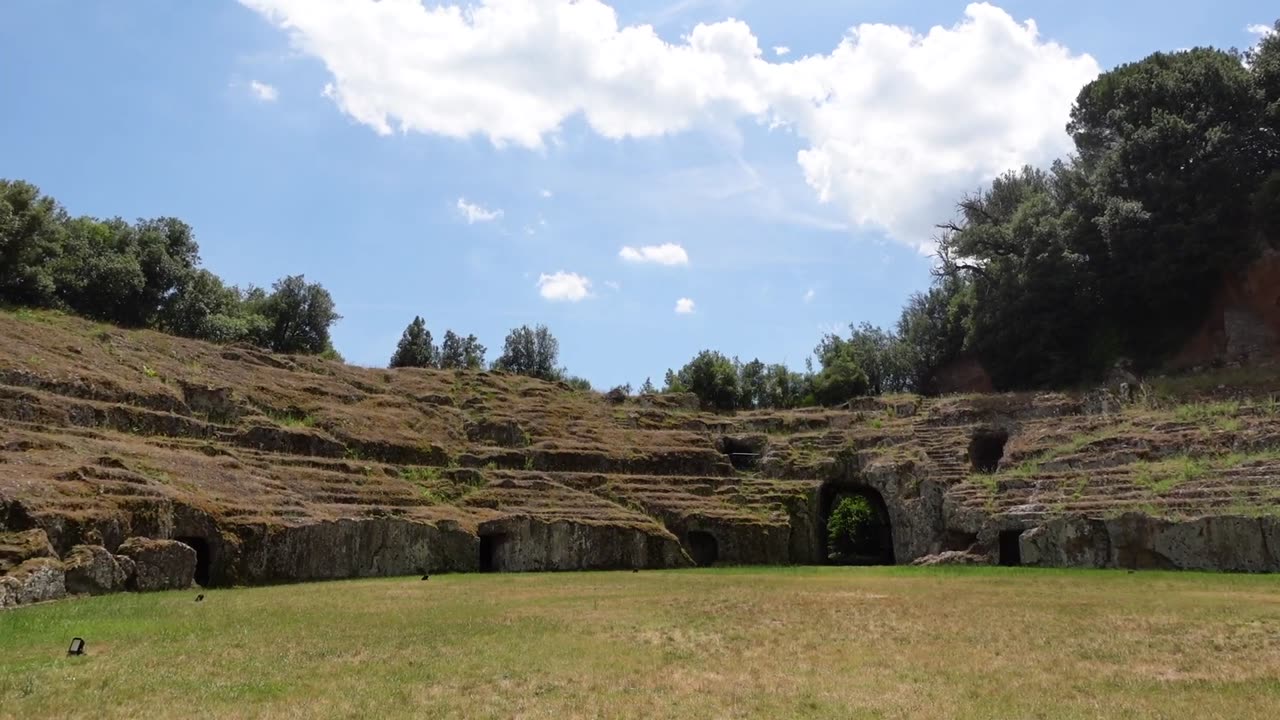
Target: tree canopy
[{"x": 146, "y": 274}]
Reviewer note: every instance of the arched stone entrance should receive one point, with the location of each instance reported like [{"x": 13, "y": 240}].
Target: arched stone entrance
[
  {"x": 872, "y": 542},
  {"x": 704, "y": 549}
]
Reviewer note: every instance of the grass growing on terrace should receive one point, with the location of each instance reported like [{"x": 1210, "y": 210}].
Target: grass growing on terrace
[{"x": 812, "y": 642}]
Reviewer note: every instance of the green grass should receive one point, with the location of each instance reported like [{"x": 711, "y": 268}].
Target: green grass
[
  {"x": 1200, "y": 412},
  {"x": 1164, "y": 475},
  {"x": 742, "y": 643},
  {"x": 294, "y": 420}
]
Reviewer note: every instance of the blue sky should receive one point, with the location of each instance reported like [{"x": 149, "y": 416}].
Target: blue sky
[{"x": 488, "y": 170}]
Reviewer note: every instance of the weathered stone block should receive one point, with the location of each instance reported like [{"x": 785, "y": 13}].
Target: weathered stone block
[
  {"x": 161, "y": 564},
  {"x": 91, "y": 569}
]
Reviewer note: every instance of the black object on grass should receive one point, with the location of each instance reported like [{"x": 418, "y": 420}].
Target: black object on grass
[
  {"x": 77, "y": 647},
  {"x": 426, "y": 576},
  {"x": 200, "y": 597}
]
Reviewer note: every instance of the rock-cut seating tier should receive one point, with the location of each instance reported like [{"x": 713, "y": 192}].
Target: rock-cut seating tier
[{"x": 274, "y": 468}]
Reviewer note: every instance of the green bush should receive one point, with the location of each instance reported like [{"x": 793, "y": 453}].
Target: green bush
[{"x": 851, "y": 528}]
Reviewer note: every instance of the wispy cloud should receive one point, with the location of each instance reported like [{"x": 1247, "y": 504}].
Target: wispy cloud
[
  {"x": 564, "y": 286},
  {"x": 263, "y": 91},
  {"x": 475, "y": 213},
  {"x": 546, "y": 193},
  {"x": 664, "y": 254},
  {"x": 781, "y": 50},
  {"x": 1260, "y": 30},
  {"x": 809, "y": 295}
]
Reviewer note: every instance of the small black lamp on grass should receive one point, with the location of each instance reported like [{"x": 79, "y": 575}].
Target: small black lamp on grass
[{"x": 77, "y": 647}]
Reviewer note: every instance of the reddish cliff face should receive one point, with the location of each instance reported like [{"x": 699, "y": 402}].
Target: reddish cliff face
[{"x": 1243, "y": 324}]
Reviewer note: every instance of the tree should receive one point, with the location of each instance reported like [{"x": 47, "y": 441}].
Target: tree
[
  {"x": 841, "y": 378},
  {"x": 851, "y": 528},
  {"x": 783, "y": 388},
  {"x": 931, "y": 331},
  {"x": 415, "y": 348},
  {"x": 203, "y": 307},
  {"x": 671, "y": 383},
  {"x": 1170, "y": 150},
  {"x": 452, "y": 352},
  {"x": 98, "y": 274},
  {"x": 647, "y": 388},
  {"x": 752, "y": 385},
  {"x": 31, "y": 238},
  {"x": 472, "y": 353},
  {"x": 298, "y": 316},
  {"x": 713, "y": 378},
  {"x": 530, "y": 351},
  {"x": 167, "y": 255}
]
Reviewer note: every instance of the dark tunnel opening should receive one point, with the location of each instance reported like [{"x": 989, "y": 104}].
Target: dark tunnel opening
[
  {"x": 986, "y": 448},
  {"x": 1010, "y": 548},
  {"x": 704, "y": 549},
  {"x": 489, "y": 545},
  {"x": 204, "y": 559}
]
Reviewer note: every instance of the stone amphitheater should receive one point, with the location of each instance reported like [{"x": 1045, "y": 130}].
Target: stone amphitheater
[{"x": 268, "y": 468}]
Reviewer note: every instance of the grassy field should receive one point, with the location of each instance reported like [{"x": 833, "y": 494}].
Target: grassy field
[{"x": 770, "y": 643}]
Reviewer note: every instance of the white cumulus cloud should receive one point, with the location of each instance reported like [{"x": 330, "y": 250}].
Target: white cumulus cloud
[
  {"x": 781, "y": 50},
  {"x": 684, "y": 306},
  {"x": 564, "y": 286},
  {"x": 1260, "y": 30},
  {"x": 897, "y": 123},
  {"x": 664, "y": 254},
  {"x": 475, "y": 213},
  {"x": 263, "y": 91}
]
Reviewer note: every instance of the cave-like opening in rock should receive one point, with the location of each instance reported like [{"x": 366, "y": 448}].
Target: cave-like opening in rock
[
  {"x": 1010, "y": 548},
  {"x": 204, "y": 559},
  {"x": 856, "y": 528},
  {"x": 743, "y": 453},
  {"x": 489, "y": 545},
  {"x": 986, "y": 448},
  {"x": 704, "y": 549}
]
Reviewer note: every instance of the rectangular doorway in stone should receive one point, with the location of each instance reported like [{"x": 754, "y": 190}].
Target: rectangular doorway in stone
[
  {"x": 489, "y": 551},
  {"x": 1010, "y": 550}
]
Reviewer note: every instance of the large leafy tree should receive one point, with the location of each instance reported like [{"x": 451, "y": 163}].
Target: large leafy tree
[
  {"x": 298, "y": 316},
  {"x": 32, "y": 230},
  {"x": 841, "y": 377},
  {"x": 416, "y": 348},
  {"x": 712, "y": 377},
  {"x": 530, "y": 351},
  {"x": 1170, "y": 150}
]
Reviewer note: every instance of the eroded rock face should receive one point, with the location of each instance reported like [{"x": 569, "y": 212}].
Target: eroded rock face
[
  {"x": 1067, "y": 542},
  {"x": 33, "y": 581},
  {"x": 219, "y": 404},
  {"x": 160, "y": 564},
  {"x": 1141, "y": 542},
  {"x": 91, "y": 569},
  {"x": 352, "y": 548},
  {"x": 500, "y": 432},
  {"x": 528, "y": 544},
  {"x": 18, "y": 547},
  {"x": 737, "y": 542},
  {"x": 8, "y": 591}
]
